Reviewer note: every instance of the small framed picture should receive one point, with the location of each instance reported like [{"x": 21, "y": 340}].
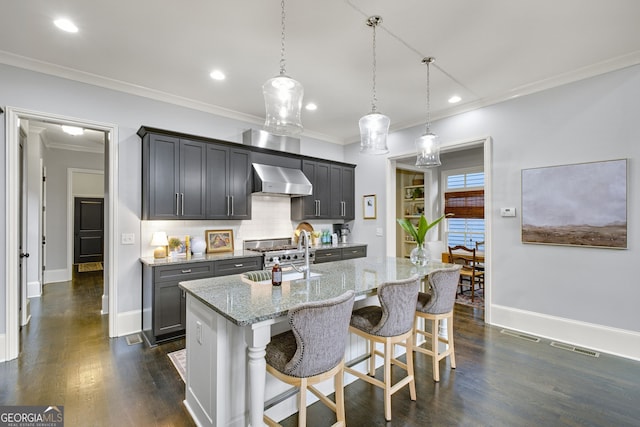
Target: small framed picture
[
  {"x": 369, "y": 206},
  {"x": 219, "y": 241}
]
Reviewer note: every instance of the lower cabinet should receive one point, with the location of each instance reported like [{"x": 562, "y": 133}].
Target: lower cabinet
[
  {"x": 164, "y": 303},
  {"x": 338, "y": 254}
]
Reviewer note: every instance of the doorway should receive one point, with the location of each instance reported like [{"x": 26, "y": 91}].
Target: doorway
[
  {"x": 432, "y": 202},
  {"x": 109, "y": 299},
  {"x": 88, "y": 230}
]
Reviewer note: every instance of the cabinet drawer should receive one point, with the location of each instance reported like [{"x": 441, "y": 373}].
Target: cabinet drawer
[
  {"x": 237, "y": 265},
  {"x": 354, "y": 252},
  {"x": 327, "y": 255},
  {"x": 187, "y": 271}
]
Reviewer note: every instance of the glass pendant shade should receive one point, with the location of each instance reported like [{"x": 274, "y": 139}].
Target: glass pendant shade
[
  {"x": 283, "y": 103},
  {"x": 374, "y": 128},
  {"x": 428, "y": 150}
]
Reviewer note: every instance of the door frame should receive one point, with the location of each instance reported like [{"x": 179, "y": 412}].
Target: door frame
[
  {"x": 392, "y": 164},
  {"x": 13, "y": 116}
]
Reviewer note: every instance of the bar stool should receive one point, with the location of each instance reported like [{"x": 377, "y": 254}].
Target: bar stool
[
  {"x": 390, "y": 323},
  {"x": 312, "y": 352},
  {"x": 435, "y": 305}
]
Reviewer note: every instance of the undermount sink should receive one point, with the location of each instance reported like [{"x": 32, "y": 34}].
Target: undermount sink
[{"x": 287, "y": 276}]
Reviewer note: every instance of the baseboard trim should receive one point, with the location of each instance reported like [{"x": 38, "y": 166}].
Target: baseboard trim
[
  {"x": 54, "y": 276},
  {"x": 614, "y": 341},
  {"x": 129, "y": 322},
  {"x": 34, "y": 289}
]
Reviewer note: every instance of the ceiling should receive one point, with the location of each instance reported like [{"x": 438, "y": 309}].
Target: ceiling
[{"x": 486, "y": 51}]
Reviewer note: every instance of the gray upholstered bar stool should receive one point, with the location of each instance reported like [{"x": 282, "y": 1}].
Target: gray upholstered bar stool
[
  {"x": 433, "y": 306},
  {"x": 312, "y": 352},
  {"x": 390, "y": 323}
]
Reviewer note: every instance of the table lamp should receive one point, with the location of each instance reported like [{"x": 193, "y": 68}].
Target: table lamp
[{"x": 159, "y": 239}]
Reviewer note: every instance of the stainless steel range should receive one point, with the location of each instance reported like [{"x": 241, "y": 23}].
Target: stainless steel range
[{"x": 288, "y": 252}]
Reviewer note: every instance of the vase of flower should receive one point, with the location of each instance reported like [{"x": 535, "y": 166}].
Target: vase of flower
[{"x": 419, "y": 255}]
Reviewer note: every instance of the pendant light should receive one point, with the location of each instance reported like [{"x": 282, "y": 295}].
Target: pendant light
[
  {"x": 428, "y": 145},
  {"x": 374, "y": 127},
  {"x": 283, "y": 97}
]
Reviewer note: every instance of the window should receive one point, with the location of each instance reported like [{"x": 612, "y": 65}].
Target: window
[{"x": 464, "y": 197}]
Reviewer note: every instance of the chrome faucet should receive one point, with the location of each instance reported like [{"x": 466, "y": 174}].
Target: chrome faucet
[{"x": 304, "y": 240}]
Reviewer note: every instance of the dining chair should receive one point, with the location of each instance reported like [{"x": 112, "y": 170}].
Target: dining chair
[
  {"x": 466, "y": 257},
  {"x": 312, "y": 352},
  {"x": 390, "y": 324},
  {"x": 434, "y": 306}
]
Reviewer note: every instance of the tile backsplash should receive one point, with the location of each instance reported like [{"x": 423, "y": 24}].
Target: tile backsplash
[{"x": 270, "y": 218}]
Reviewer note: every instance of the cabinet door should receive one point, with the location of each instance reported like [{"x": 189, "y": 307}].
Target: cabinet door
[
  {"x": 337, "y": 205},
  {"x": 192, "y": 179},
  {"x": 349, "y": 192},
  {"x": 322, "y": 189},
  {"x": 169, "y": 309},
  {"x": 163, "y": 181},
  {"x": 239, "y": 184},
  {"x": 342, "y": 192},
  {"x": 217, "y": 182}
]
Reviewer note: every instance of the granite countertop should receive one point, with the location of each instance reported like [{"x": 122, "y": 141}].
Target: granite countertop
[
  {"x": 339, "y": 245},
  {"x": 244, "y": 302},
  {"x": 154, "y": 262}
]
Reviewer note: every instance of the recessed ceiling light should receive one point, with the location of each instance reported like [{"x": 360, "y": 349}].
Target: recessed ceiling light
[
  {"x": 66, "y": 25},
  {"x": 454, "y": 99},
  {"x": 72, "y": 130},
  {"x": 311, "y": 106},
  {"x": 217, "y": 75}
]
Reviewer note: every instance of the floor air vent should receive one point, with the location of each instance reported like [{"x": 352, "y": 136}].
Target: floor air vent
[
  {"x": 519, "y": 335},
  {"x": 570, "y": 347},
  {"x": 134, "y": 339}
]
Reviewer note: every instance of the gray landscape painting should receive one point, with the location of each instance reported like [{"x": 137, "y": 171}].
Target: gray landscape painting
[{"x": 582, "y": 204}]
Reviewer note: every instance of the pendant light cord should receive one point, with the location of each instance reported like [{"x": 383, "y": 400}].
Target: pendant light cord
[
  {"x": 374, "y": 99},
  {"x": 282, "y": 60},
  {"x": 428, "y": 96}
]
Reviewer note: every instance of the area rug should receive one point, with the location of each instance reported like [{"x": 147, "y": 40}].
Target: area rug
[
  {"x": 179, "y": 360},
  {"x": 478, "y": 300},
  {"x": 89, "y": 266}
]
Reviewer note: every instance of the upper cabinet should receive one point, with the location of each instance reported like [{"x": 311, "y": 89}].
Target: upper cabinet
[
  {"x": 186, "y": 179},
  {"x": 229, "y": 185},
  {"x": 343, "y": 192},
  {"x": 316, "y": 206},
  {"x": 173, "y": 178},
  {"x": 333, "y": 192}
]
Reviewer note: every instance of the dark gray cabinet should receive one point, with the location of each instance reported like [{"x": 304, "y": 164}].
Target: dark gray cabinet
[
  {"x": 342, "y": 192},
  {"x": 316, "y": 206},
  {"x": 228, "y": 179},
  {"x": 164, "y": 303},
  {"x": 338, "y": 254},
  {"x": 173, "y": 178}
]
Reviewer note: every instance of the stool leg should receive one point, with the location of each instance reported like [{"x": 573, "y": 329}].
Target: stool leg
[
  {"x": 372, "y": 359},
  {"x": 338, "y": 382},
  {"x": 452, "y": 354},
  {"x": 409, "y": 353},
  {"x": 302, "y": 403},
  {"x": 388, "y": 348},
  {"x": 434, "y": 349}
]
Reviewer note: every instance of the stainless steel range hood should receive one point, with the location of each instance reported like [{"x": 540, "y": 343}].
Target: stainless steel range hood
[{"x": 278, "y": 180}]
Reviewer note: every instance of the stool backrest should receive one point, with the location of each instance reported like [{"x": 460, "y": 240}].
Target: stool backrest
[
  {"x": 398, "y": 300},
  {"x": 444, "y": 285},
  {"x": 321, "y": 330}
]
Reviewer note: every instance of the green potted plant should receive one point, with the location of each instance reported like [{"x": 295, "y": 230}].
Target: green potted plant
[{"x": 419, "y": 255}]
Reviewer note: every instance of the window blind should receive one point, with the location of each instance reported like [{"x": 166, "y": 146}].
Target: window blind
[{"x": 464, "y": 204}]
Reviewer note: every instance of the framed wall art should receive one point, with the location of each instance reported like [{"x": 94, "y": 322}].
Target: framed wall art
[
  {"x": 219, "y": 241},
  {"x": 582, "y": 204},
  {"x": 369, "y": 206}
]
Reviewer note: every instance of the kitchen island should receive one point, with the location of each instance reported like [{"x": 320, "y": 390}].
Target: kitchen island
[{"x": 230, "y": 320}]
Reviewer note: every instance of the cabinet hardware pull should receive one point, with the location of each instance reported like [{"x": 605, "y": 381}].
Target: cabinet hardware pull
[
  {"x": 182, "y": 196},
  {"x": 177, "y": 204},
  {"x": 239, "y": 265},
  {"x": 329, "y": 254},
  {"x": 227, "y": 197},
  {"x": 231, "y": 205},
  {"x": 186, "y": 271}
]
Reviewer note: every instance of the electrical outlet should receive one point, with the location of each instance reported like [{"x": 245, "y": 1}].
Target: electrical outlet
[{"x": 128, "y": 238}]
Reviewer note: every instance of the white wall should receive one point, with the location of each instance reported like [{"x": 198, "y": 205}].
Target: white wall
[{"x": 587, "y": 296}]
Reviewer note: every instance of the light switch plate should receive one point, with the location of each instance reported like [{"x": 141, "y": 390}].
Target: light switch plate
[
  {"x": 379, "y": 231},
  {"x": 128, "y": 238},
  {"x": 507, "y": 211}
]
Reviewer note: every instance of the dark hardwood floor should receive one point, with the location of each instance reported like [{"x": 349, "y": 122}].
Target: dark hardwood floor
[{"x": 67, "y": 359}]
